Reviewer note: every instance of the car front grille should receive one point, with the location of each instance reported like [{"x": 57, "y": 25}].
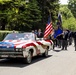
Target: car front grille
[{"x": 7, "y": 49}]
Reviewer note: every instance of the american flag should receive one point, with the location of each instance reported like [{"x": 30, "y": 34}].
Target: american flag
[{"x": 48, "y": 28}]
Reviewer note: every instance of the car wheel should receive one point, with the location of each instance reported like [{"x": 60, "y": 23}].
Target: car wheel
[
  {"x": 53, "y": 47},
  {"x": 28, "y": 58},
  {"x": 46, "y": 53}
]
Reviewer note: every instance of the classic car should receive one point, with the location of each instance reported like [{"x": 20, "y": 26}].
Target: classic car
[{"x": 24, "y": 45}]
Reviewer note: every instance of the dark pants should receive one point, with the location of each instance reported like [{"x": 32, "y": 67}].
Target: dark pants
[
  {"x": 70, "y": 41},
  {"x": 64, "y": 44},
  {"x": 55, "y": 42},
  {"x": 75, "y": 43},
  {"x": 59, "y": 43}
]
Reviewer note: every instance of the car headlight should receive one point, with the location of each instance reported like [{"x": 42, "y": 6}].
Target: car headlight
[{"x": 18, "y": 49}]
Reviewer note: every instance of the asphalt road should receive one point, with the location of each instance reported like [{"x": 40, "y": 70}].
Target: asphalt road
[{"x": 57, "y": 63}]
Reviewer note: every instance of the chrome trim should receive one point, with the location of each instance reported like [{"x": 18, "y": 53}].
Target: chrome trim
[
  {"x": 7, "y": 49},
  {"x": 9, "y": 53}
]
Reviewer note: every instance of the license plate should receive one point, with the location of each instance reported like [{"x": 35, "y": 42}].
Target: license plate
[{"x": 4, "y": 55}]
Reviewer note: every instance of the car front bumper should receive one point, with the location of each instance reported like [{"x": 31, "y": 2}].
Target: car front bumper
[{"x": 11, "y": 54}]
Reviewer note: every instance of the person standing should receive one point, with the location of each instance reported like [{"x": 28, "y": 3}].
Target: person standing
[
  {"x": 70, "y": 37},
  {"x": 35, "y": 32},
  {"x": 74, "y": 36},
  {"x": 64, "y": 40},
  {"x": 32, "y": 31},
  {"x": 59, "y": 41},
  {"x": 40, "y": 34},
  {"x": 13, "y": 31}
]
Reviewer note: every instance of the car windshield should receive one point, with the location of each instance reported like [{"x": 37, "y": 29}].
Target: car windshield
[{"x": 19, "y": 36}]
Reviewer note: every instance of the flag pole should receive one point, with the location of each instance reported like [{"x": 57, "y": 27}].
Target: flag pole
[
  {"x": 49, "y": 27},
  {"x": 59, "y": 22}
]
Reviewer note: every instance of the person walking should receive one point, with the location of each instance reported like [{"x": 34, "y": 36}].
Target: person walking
[
  {"x": 64, "y": 40},
  {"x": 70, "y": 37},
  {"x": 74, "y": 36}
]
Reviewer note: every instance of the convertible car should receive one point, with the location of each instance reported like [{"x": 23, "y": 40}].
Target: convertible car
[{"x": 24, "y": 45}]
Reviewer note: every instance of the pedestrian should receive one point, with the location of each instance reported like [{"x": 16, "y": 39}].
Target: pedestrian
[
  {"x": 70, "y": 37},
  {"x": 64, "y": 40},
  {"x": 13, "y": 31},
  {"x": 40, "y": 34},
  {"x": 32, "y": 31},
  {"x": 74, "y": 36},
  {"x": 35, "y": 31},
  {"x": 59, "y": 41}
]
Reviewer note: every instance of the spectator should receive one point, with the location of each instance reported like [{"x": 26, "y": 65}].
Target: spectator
[
  {"x": 39, "y": 34},
  {"x": 32, "y": 31},
  {"x": 13, "y": 31},
  {"x": 35, "y": 32}
]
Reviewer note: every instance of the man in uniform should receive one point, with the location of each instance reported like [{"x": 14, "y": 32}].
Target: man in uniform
[
  {"x": 74, "y": 36},
  {"x": 64, "y": 40}
]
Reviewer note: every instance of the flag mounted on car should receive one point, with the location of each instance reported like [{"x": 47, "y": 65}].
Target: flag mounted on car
[{"x": 49, "y": 28}]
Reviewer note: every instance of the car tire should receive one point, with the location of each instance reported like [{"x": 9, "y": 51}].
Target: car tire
[
  {"x": 46, "y": 53},
  {"x": 28, "y": 59},
  {"x": 53, "y": 47}
]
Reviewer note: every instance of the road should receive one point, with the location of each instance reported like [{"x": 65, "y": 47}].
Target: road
[{"x": 57, "y": 63}]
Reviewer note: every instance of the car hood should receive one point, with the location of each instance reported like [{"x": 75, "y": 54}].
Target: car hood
[
  {"x": 22, "y": 43},
  {"x": 6, "y": 45},
  {"x": 14, "y": 43}
]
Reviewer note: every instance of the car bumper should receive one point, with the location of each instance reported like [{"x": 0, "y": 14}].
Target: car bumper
[{"x": 11, "y": 54}]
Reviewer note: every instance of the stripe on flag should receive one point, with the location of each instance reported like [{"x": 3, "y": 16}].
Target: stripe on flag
[{"x": 48, "y": 29}]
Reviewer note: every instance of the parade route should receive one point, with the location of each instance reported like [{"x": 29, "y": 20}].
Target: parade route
[{"x": 59, "y": 62}]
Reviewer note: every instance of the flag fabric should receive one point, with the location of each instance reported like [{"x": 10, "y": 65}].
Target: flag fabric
[
  {"x": 59, "y": 22},
  {"x": 48, "y": 28},
  {"x": 58, "y": 32}
]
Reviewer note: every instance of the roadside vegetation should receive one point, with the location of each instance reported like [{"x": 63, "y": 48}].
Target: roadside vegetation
[
  {"x": 68, "y": 19},
  {"x": 27, "y": 15}
]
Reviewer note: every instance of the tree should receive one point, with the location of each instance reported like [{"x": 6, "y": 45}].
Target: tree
[
  {"x": 34, "y": 15},
  {"x": 3, "y": 14},
  {"x": 19, "y": 15},
  {"x": 72, "y": 6},
  {"x": 68, "y": 20},
  {"x": 48, "y": 7}
]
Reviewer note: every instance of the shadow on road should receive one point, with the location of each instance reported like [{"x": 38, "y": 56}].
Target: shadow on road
[
  {"x": 19, "y": 62},
  {"x": 57, "y": 50}
]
